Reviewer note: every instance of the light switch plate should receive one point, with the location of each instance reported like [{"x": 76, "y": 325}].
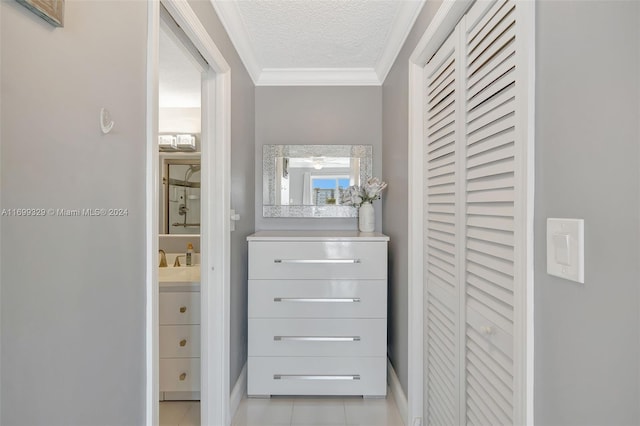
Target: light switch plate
[{"x": 565, "y": 248}]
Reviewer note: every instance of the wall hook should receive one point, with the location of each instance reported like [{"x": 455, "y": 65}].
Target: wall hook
[{"x": 106, "y": 123}]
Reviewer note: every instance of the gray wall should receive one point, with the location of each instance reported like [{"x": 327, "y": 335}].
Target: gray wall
[
  {"x": 73, "y": 324},
  {"x": 395, "y": 161},
  {"x": 587, "y": 162},
  {"x": 317, "y": 116},
  {"x": 242, "y": 180},
  {"x": 73, "y": 288}
]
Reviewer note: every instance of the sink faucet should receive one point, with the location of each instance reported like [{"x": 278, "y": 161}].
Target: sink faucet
[
  {"x": 163, "y": 258},
  {"x": 177, "y": 262}
]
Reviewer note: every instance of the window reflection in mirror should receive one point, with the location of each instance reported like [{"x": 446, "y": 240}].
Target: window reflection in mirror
[
  {"x": 181, "y": 196},
  {"x": 315, "y": 181}
]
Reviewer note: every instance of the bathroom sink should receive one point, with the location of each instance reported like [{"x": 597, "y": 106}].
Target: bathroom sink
[{"x": 179, "y": 274}]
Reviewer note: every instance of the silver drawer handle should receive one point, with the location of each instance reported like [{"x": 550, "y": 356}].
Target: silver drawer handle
[
  {"x": 316, "y": 261},
  {"x": 318, "y": 299},
  {"x": 317, "y": 338},
  {"x": 314, "y": 377}
]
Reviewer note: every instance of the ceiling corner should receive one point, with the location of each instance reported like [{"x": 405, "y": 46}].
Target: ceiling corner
[
  {"x": 232, "y": 22},
  {"x": 402, "y": 25}
]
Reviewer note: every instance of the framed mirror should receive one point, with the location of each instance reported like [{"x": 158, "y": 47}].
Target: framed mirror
[
  {"x": 307, "y": 180},
  {"x": 180, "y": 196}
]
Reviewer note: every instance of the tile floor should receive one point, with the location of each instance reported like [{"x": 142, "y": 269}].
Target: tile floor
[
  {"x": 297, "y": 411},
  {"x": 180, "y": 413}
]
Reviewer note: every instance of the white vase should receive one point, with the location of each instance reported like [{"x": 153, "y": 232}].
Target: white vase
[{"x": 366, "y": 218}]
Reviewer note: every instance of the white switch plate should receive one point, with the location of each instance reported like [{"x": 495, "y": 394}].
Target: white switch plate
[{"x": 565, "y": 248}]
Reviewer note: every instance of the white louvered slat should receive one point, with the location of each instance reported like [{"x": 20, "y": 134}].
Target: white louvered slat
[{"x": 478, "y": 19}]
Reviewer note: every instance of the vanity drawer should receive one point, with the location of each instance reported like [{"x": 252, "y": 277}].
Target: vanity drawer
[
  {"x": 179, "y": 341},
  {"x": 179, "y": 308},
  {"x": 317, "y": 260},
  {"x": 317, "y": 299},
  {"x": 317, "y": 376},
  {"x": 317, "y": 337},
  {"x": 180, "y": 374}
]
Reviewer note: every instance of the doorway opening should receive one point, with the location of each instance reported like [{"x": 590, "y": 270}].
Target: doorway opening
[{"x": 193, "y": 366}]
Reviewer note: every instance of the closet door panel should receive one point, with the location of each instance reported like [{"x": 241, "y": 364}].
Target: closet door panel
[
  {"x": 490, "y": 212},
  {"x": 442, "y": 312}
]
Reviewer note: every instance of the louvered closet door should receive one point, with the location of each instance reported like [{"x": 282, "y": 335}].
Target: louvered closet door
[
  {"x": 442, "y": 312},
  {"x": 490, "y": 209},
  {"x": 474, "y": 192}
]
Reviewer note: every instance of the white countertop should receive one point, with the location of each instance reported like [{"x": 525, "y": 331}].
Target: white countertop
[
  {"x": 182, "y": 278},
  {"x": 317, "y": 236}
]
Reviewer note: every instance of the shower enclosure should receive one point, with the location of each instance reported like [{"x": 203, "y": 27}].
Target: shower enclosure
[{"x": 181, "y": 204}]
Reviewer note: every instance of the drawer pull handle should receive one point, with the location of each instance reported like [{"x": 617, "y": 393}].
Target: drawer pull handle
[
  {"x": 317, "y": 338},
  {"x": 318, "y": 299},
  {"x": 487, "y": 330},
  {"x": 183, "y": 376},
  {"x": 183, "y": 309},
  {"x": 314, "y": 377},
  {"x": 324, "y": 261},
  {"x": 183, "y": 342}
]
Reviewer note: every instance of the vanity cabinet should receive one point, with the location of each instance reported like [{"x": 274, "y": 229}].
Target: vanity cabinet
[
  {"x": 317, "y": 313},
  {"x": 179, "y": 316}
]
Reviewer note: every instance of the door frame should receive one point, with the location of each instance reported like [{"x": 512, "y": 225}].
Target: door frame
[
  {"x": 443, "y": 23},
  {"x": 215, "y": 229}
]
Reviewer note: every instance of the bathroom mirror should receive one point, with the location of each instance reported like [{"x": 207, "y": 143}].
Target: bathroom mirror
[
  {"x": 307, "y": 180},
  {"x": 180, "y": 196}
]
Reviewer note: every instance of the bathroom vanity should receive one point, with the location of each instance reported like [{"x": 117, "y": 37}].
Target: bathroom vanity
[
  {"x": 317, "y": 313},
  {"x": 179, "y": 315}
]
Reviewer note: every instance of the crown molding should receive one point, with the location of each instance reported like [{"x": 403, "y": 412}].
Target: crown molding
[
  {"x": 230, "y": 17},
  {"x": 318, "y": 77},
  {"x": 400, "y": 29}
]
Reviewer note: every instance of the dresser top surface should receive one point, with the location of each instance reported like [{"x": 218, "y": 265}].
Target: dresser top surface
[{"x": 317, "y": 236}]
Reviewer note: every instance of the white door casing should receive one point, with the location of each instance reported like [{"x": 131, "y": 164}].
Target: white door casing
[{"x": 215, "y": 230}]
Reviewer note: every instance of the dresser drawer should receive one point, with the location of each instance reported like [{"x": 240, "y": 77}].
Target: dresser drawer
[
  {"x": 317, "y": 298},
  {"x": 180, "y": 374},
  {"x": 317, "y": 337},
  {"x": 179, "y": 308},
  {"x": 317, "y": 260},
  {"x": 179, "y": 341},
  {"x": 317, "y": 376}
]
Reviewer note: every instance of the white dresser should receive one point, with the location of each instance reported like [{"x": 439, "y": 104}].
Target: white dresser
[
  {"x": 179, "y": 340},
  {"x": 317, "y": 313}
]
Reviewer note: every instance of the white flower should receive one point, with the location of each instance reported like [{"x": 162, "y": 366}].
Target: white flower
[{"x": 357, "y": 195}]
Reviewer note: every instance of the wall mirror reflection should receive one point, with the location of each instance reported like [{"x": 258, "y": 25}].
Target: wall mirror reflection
[
  {"x": 308, "y": 180},
  {"x": 180, "y": 196}
]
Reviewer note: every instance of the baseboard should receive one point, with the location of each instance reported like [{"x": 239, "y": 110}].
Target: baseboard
[
  {"x": 239, "y": 390},
  {"x": 396, "y": 392}
]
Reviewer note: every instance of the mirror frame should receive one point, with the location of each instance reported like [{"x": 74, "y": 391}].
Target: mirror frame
[{"x": 271, "y": 152}]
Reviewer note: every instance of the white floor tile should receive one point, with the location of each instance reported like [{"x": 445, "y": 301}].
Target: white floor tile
[
  {"x": 172, "y": 412},
  {"x": 192, "y": 417},
  {"x": 372, "y": 412},
  {"x": 264, "y": 412},
  {"x": 318, "y": 411}
]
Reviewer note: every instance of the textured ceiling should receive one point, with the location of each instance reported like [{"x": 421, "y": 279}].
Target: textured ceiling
[
  {"x": 318, "y": 34},
  {"x": 327, "y": 40}
]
